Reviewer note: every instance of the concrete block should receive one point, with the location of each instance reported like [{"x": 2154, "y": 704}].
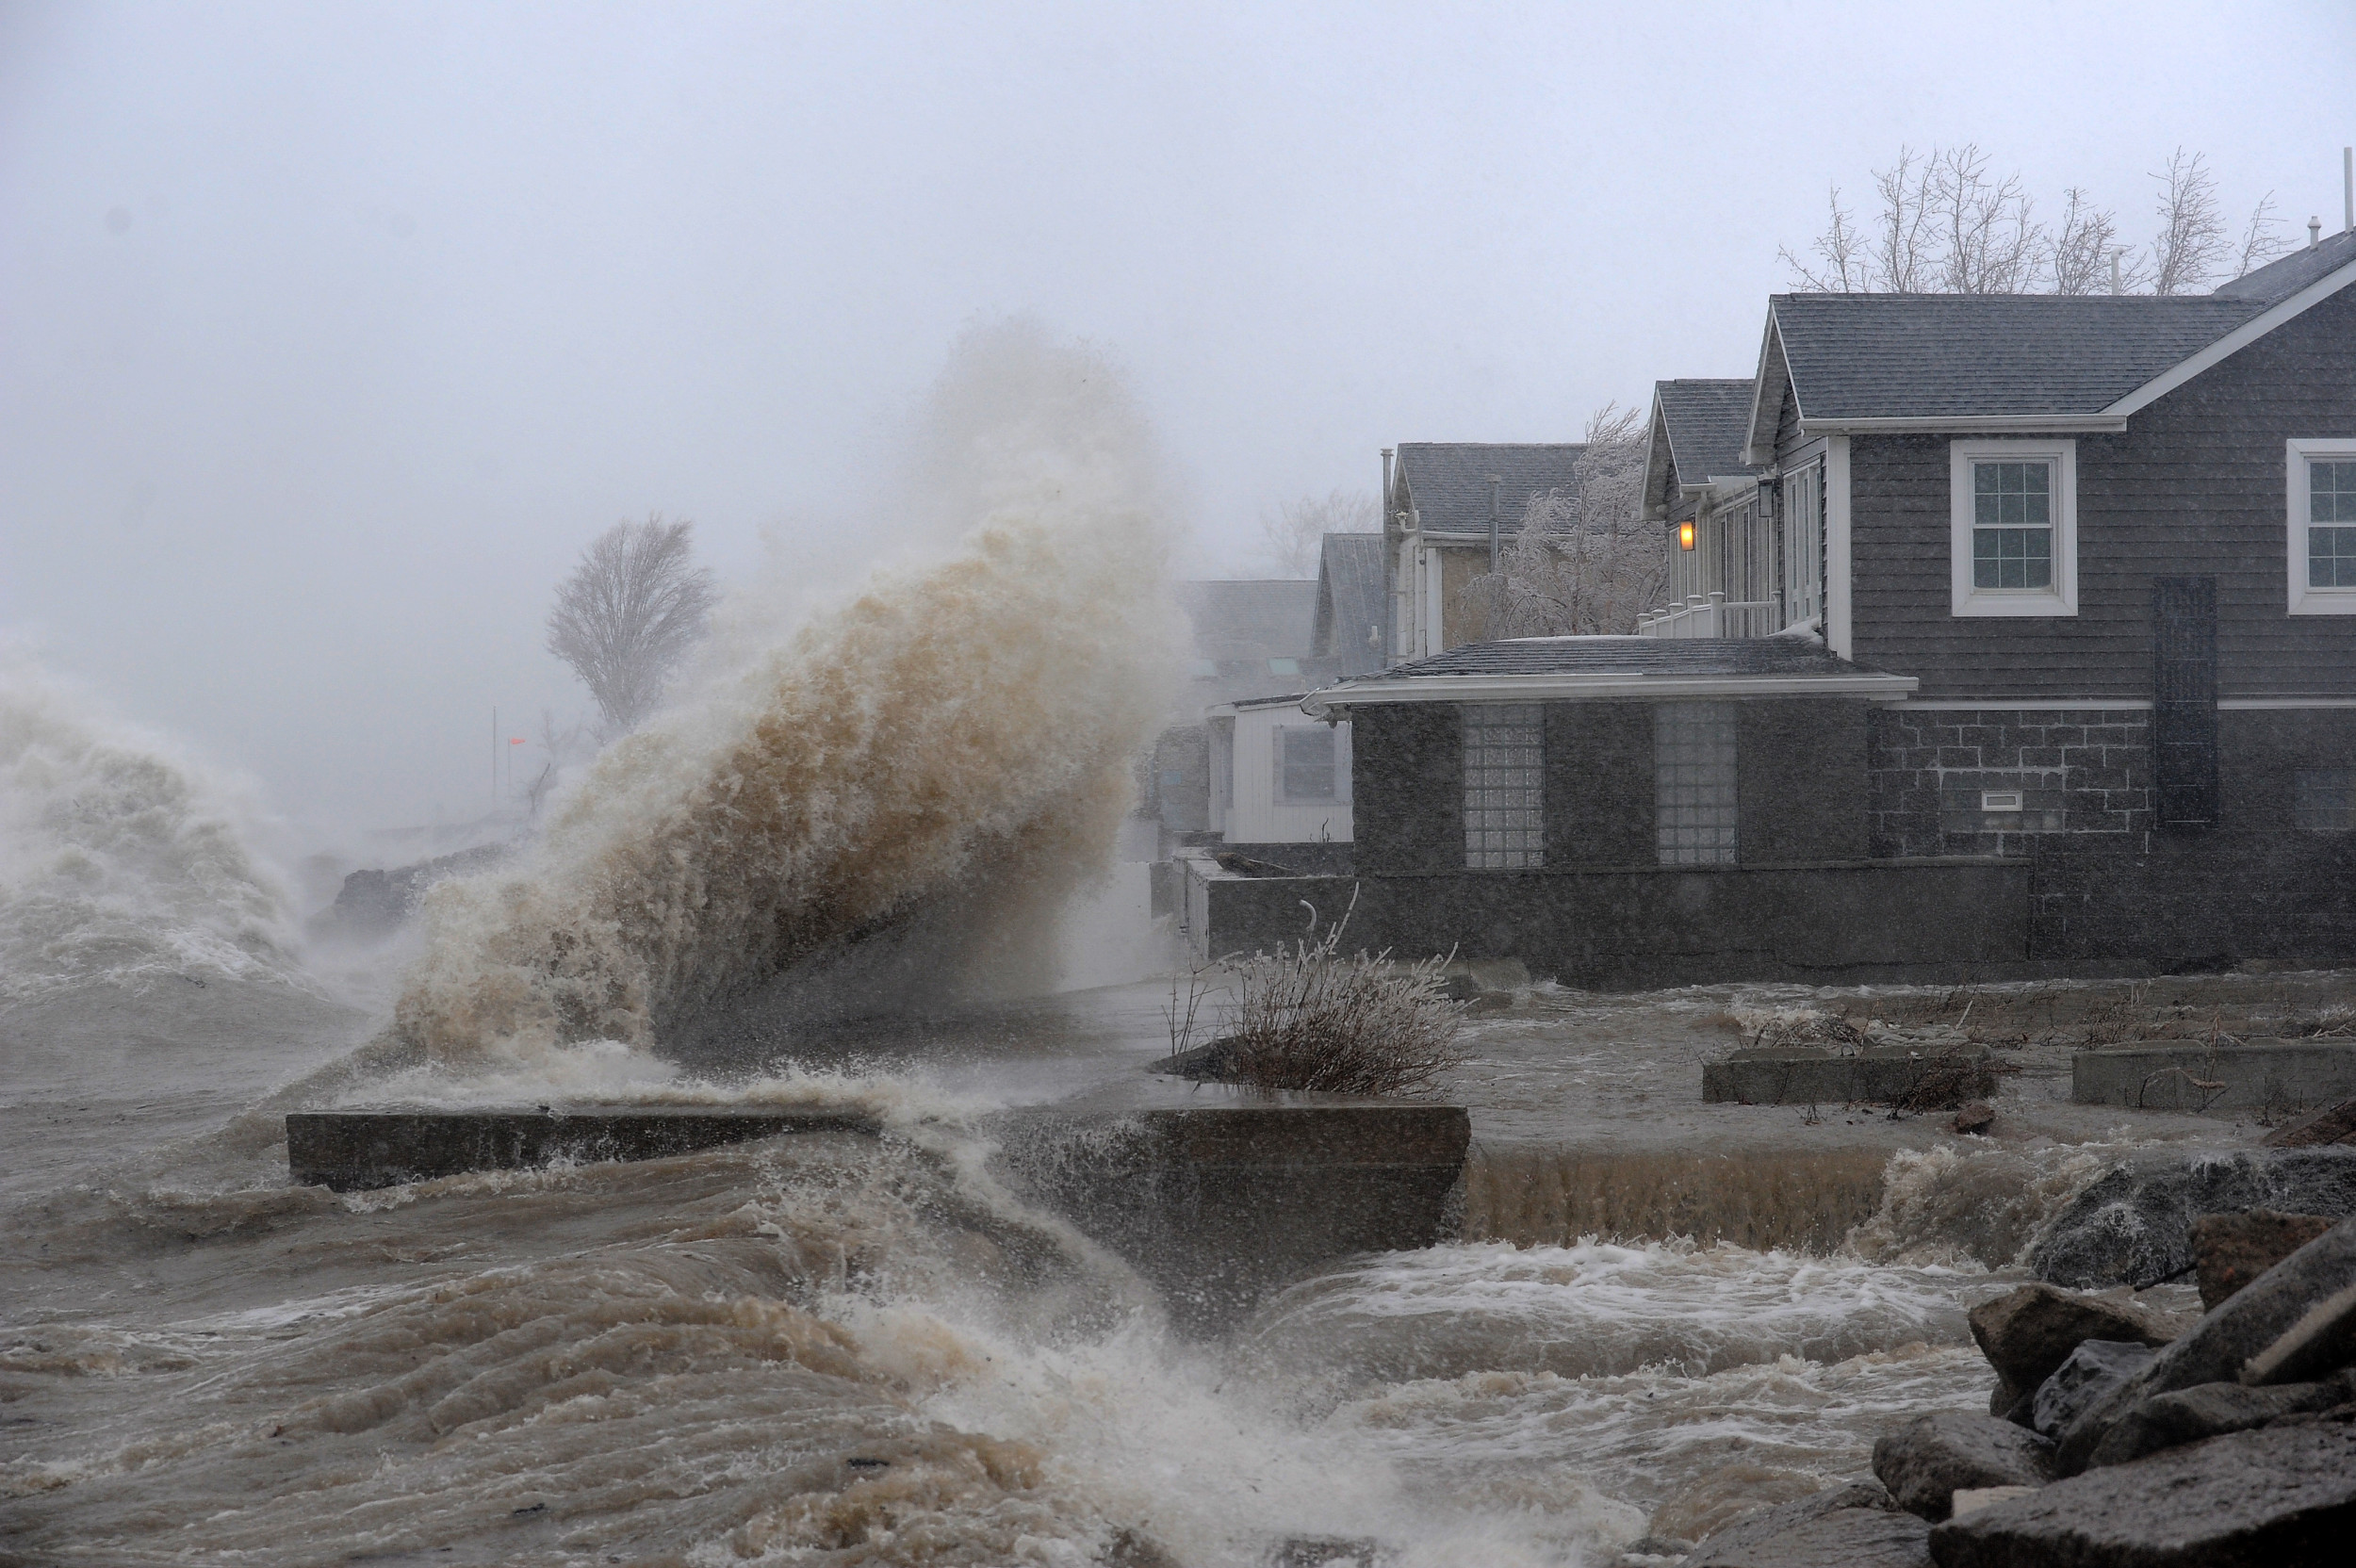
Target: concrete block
[
  {"x": 354, "y": 1150},
  {"x": 2229, "y": 1079},
  {"x": 1799, "y": 1075}
]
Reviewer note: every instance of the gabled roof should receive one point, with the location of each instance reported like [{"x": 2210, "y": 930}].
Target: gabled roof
[
  {"x": 1892, "y": 356},
  {"x": 1534, "y": 669},
  {"x": 2280, "y": 279},
  {"x": 1456, "y": 486},
  {"x": 1350, "y": 611},
  {"x": 2020, "y": 362},
  {"x": 1697, "y": 432}
]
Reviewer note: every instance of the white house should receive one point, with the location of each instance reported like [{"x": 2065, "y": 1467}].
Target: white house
[{"x": 1278, "y": 776}]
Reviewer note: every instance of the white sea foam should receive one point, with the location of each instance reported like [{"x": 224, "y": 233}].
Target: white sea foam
[{"x": 124, "y": 863}]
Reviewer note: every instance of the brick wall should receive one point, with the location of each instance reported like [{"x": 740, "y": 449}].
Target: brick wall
[{"x": 2079, "y": 772}]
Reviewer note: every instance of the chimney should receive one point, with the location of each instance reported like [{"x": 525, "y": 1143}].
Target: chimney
[
  {"x": 2347, "y": 184},
  {"x": 2314, "y": 233},
  {"x": 1497, "y": 483}
]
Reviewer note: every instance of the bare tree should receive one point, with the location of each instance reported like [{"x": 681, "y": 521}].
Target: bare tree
[
  {"x": 2260, "y": 244},
  {"x": 2191, "y": 244},
  {"x": 1580, "y": 563},
  {"x": 1295, "y": 535},
  {"x": 1949, "y": 226},
  {"x": 1846, "y": 269},
  {"x": 2079, "y": 258},
  {"x": 629, "y": 613}
]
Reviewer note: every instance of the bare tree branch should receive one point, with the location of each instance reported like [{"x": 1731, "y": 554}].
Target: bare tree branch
[
  {"x": 2191, "y": 243},
  {"x": 1842, "y": 248},
  {"x": 1295, "y": 536},
  {"x": 2078, "y": 260},
  {"x": 629, "y": 613},
  {"x": 2260, "y": 244}
]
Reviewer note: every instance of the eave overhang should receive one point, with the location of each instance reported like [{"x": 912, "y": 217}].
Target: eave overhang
[{"x": 1598, "y": 685}]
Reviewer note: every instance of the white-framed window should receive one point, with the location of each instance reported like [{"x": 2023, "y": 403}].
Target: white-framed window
[
  {"x": 1694, "y": 806},
  {"x": 2322, "y": 483},
  {"x": 2014, "y": 541},
  {"x": 1307, "y": 762},
  {"x": 1803, "y": 544},
  {"x": 1504, "y": 785}
]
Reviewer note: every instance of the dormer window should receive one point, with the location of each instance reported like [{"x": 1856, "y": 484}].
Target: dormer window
[
  {"x": 2322, "y": 541},
  {"x": 2014, "y": 527}
]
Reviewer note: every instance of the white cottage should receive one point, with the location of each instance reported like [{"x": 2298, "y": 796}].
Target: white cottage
[{"x": 1278, "y": 776}]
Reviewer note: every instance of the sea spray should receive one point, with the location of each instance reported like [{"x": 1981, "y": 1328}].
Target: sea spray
[
  {"x": 937, "y": 763},
  {"x": 123, "y": 864}
]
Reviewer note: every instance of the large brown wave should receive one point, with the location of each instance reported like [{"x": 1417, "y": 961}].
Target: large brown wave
[{"x": 949, "y": 752}]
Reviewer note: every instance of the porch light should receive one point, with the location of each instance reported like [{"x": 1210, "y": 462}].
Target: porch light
[{"x": 1685, "y": 536}]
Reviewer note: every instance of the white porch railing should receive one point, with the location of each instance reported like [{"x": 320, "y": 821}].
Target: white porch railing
[{"x": 1710, "y": 617}]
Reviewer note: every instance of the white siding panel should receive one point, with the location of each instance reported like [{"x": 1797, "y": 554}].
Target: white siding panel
[{"x": 1256, "y": 816}]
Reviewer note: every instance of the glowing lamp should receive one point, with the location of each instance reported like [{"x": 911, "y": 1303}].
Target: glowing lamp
[{"x": 1685, "y": 536}]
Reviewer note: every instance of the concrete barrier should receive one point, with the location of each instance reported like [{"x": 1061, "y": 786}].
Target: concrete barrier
[
  {"x": 354, "y": 1150},
  {"x": 1879, "y": 1075},
  {"x": 1223, "y": 1199},
  {"x": 1217, "y": 1195},
  {"x": 2226, "y": 1080}
]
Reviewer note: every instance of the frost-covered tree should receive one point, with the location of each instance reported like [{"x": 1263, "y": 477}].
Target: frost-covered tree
[
  {"x": 1582, "y": 563},
  {"x": 628, "y": 614},
  {"x": 1949, "y": 225}
]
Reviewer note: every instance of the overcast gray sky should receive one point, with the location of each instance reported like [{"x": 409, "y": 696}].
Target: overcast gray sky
[{"x": 332, "y": 331}]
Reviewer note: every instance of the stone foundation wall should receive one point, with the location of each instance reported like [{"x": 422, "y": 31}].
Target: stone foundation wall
[{"x": 2079, "y": 771}]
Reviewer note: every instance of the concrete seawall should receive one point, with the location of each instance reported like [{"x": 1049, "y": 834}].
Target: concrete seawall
[
  {"x": 1216, "y": 1195},
  {"x": 2225, "y": 1080}
]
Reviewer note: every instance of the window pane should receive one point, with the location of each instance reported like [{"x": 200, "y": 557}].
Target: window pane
[
  {"x": 2016, "y": 559},
  {"x": 2331, "y": 492},
  {"x": 2331, "y": 557},
  {"x": 1504, "y": 816},
  {"x": 1693, "y": 783},
  {"x": 1305, "y": 762}
]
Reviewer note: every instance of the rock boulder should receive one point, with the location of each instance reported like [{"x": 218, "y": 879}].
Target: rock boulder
[
  {"x": 2256, "y": 1500},
  {"x": 1770, "y": 1535},
  {"x": 2230, "y": 1250},
  {"x": 2028, "y": 1333},
  {"x": 2208, "y": 1410},
  {"x": 2095, "y": 1373},
  {"x": 1928, "y": 1459}
]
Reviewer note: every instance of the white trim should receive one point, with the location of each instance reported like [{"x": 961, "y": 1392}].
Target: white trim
[
  {"x": 2252, "y": 704},
  {"x": 2037, "y": 705},
  {"x": 1966, "y": 424},
  {"x": 2062, "y": 600},
  {"x": 1595, "y": 686},
  {"x": 2299, "y": 499},
  {"x": 1838, "y": 618},
  {"x": 2234, "y": 342},
  {"x": 1753, "y": 452}
]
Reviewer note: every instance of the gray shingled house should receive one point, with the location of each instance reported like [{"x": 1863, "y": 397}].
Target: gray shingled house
[
  {"x": 1449, "y": 509},
  {"x": 2050, "y": 665}
]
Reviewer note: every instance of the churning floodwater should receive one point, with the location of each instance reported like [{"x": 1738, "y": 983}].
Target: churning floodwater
[{"x": 833, "y": 877}]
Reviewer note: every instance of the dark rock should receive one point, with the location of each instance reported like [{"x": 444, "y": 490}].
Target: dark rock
[
  {"x": 1845, "y": 1538},
  {"x": 1328, "y": 1551},
  {"x": 2134, "y": 1224},
  {"x": 2230, "y": 1250},
  {"x": 1130, "y": 1548},
  {"x": 2094, "y": 1373},
  {"x": 2332, "y": 1124},
  {"x": 1657, "y": 1549},
  {"x": 2282, "y": 1495},
  {"x": 1976, "y": 1117},
  {"x": 1926, "y": 1460},
  {"x": 2208, "y": 1410},
  {"x": 2259, "y": 1314},
  {"x": 2009, "y": 1401},
  {"x": 373, "y": 902},
  {"x": 1742, "y": 1541},
  {"x": 2323, "y": 1340},
  {"x": 2028, "y": 1333}
]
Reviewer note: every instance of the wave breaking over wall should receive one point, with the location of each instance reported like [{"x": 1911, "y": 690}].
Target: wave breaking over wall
[{"x": 925, "y": 771}]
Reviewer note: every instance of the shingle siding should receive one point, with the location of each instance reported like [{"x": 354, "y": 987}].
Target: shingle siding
[
  {"x": 1407, "y": 787},
  {"x": 1800, "y": 779},
  {"x": 2193, "y": 486},
  {"x": 1599, "y": 784}
]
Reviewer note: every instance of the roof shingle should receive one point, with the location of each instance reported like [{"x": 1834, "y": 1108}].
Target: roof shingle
[{"x": 1458, "y": 486}]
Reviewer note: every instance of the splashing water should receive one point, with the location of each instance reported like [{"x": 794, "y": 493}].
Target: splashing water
[
  {"x": 123, "y": 866},
  {"x": 939, "y": 761}
]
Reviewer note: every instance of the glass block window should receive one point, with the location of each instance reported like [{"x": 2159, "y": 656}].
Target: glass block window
[
  {"x": 1305, "y": 762},
  {"x": 2331, "y": 524},
  {"x": 2012, "y": 526},
  {"x": 2326, "y": 801},
  {"x": 1693, "y": 783},
  {"x": 1504, "y": 788}
]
